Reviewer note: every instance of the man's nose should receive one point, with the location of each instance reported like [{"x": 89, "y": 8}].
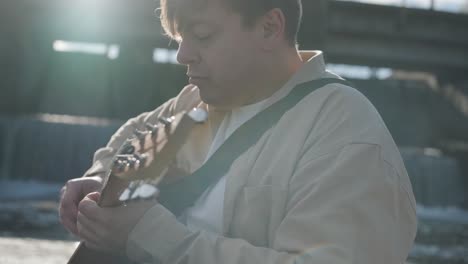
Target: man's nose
[{"x": 186, "y": 55}]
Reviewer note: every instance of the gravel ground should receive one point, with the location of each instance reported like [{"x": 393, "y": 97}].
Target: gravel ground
[
  {"x": 16, "y": 250},
  {"x": 30, "y": 233}
]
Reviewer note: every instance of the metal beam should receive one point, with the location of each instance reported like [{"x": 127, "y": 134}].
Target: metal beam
[
  {"x": 396, "y": 37},
  {"x": 348, "y": 32}
]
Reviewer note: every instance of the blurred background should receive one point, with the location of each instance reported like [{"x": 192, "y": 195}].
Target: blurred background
[{"x": 71, "y": 72}]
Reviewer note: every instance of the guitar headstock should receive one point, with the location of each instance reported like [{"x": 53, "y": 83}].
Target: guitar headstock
[
  {"x": 149, "y": 152},
  {"x": 144, "y": 156}
]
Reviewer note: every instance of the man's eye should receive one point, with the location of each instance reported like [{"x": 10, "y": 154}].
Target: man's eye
[{"x": 203, "y": 37}]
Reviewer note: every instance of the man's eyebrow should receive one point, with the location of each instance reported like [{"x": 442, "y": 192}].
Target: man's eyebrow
[{"x": 190, "y": 24}]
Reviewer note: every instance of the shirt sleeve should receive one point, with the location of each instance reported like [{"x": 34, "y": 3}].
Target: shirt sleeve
[{"x": 347, "y": 206}]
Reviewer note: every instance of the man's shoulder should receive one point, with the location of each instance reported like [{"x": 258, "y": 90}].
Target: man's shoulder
[
  {"x": 338, "y": 114},
  {"x": 338, "y": 100}
]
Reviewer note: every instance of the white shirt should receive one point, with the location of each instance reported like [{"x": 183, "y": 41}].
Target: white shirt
[{"x": 207, "y": 212}]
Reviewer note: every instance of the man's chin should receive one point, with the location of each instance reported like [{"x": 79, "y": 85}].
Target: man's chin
[
  {"x": 220, "y": 102},
  {"x": 210, "y": 100}
]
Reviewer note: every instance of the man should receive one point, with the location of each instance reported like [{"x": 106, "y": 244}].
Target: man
[{"x": 324, "y": 184}]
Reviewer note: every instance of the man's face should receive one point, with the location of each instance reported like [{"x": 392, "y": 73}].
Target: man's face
[{"x": 221, "y": 55}]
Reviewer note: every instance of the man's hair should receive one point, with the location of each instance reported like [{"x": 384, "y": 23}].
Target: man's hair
[{"x": 173, "y": 13}]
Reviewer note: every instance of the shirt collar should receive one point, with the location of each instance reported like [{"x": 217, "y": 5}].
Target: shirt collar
[{"x": 313, "y": 68}]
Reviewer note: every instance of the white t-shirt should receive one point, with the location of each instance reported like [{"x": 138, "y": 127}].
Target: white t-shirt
[{"x": 207, "y": 212}]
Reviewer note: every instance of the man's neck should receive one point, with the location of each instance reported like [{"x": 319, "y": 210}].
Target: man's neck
[{"x": 277, "y": 73}]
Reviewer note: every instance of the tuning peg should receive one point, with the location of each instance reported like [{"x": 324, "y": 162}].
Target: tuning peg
[
  {"x": 165, "y": 121},
  {"x": 151, "y": 128},
  {"x": 139, "y": 134},
  {"x": 127, "y": 149},
  {"x": 141, "y": 158},
  {"x": 134, "y": 162},
  {"x": 124, "y": 162},
  {"x": 119, "y": 165},
  {"x": 123, "y": 156}
]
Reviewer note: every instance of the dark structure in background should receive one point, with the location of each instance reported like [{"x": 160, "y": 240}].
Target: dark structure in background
[
  {"x": 87, "y": 97},
  {"x": 36, "y": 79}
]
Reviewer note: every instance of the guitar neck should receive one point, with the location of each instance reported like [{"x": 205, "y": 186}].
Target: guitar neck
[{"x": 112, "y": 190}]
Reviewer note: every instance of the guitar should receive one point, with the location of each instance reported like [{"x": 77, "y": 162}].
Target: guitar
[{"x": 145, "y": 156}]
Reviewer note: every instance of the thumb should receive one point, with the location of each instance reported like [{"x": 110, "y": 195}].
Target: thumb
[
  {"x": 94, "y": 196},
  {"x": 88, "y": 206}
]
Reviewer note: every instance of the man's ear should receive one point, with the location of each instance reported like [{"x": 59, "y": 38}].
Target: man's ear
[{"x": 273, "y": 24}]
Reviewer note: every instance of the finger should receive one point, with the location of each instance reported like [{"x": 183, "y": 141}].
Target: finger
[
  {"x": 62, "y": 191},
  {"x": 71, "y": 193},
  {"x": 94, "y": 184},
  {"x": 67, "y": 212},
  {"x": 94, "y": 196},
  {"x": 68, "y": 204},
  {"x": 89, "y": 208},
  {"x": 93, "y": 235},
  {"x": 70, "y": 226},
  {"x": 94, "y": 231},
  {"x": 88, "y": 230}
]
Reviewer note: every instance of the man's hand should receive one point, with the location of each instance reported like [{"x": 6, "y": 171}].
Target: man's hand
[
  {"x": 71, "y": 195},
  {"x": 107, "y": 229}
]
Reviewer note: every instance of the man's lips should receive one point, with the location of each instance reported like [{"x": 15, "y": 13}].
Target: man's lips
[{"x": 196, "y": 80}]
